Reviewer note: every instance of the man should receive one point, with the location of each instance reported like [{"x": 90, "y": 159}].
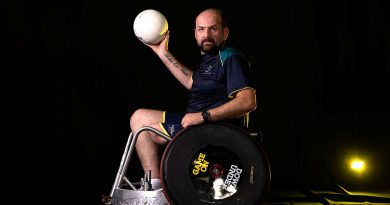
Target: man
[{"x": 220, "y": 89}]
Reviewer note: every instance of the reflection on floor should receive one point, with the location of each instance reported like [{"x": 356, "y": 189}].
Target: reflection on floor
[{"x": 302, "y": 197}]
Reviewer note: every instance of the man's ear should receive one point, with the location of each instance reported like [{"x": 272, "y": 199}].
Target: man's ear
[
  {"x": 225, "y": 33},
  {"x": 195, "y": 33}
]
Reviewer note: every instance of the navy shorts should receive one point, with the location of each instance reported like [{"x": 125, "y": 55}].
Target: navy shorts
[{"x": 171, "y": 123}]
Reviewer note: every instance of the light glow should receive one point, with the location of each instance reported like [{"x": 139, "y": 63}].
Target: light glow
[{"x": 358, "y": 165}]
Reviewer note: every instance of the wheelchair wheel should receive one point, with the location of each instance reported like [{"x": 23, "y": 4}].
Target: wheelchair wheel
[{"x": 214, "y": 164}]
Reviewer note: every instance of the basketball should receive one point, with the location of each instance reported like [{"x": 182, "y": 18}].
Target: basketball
[{"x": 150, "y": 26}]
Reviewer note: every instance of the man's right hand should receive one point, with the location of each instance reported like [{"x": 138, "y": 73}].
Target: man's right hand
[
  {"x": 161, "y": 47},
  {"x": 189, "y": 119}
]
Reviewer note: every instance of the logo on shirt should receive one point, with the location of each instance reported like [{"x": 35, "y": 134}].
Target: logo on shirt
[{"x": 206, "y": 69}]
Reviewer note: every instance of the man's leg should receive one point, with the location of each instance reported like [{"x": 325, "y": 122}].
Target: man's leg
[{"x": 148, "y": 143}]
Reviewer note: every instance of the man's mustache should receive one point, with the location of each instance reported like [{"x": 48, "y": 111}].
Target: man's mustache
[{"x": 208, "y": 40}]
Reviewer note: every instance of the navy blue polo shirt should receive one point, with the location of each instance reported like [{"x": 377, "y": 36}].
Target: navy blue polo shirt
[
  {"x": 215, "y": 82},
  {"x": 218, "y": 78}
]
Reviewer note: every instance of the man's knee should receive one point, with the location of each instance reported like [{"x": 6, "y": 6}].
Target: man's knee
[
  {"x": 137, "y": 117},
  {"x": 137, "y": 114},
  {"x": 145, "y": 117}
]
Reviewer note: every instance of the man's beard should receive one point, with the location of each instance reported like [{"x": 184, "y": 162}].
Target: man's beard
[{"x": 211, "y": 48}]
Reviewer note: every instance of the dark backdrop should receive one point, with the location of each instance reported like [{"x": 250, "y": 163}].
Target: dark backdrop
[{"x": 75, "y": 73}]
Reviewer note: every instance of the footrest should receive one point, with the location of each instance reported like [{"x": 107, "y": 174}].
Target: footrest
[{"x": 135, "y": 197}]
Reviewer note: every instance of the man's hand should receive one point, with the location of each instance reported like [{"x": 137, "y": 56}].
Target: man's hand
[
  {"x": 161, "y": 47},
  {"x": 192, "y": 119}
]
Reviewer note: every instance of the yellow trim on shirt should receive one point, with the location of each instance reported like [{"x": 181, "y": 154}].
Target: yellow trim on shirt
[{"x": 231, "y": 95}]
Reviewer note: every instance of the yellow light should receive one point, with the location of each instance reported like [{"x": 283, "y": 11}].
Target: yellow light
[{"x": 358, "y": 165}]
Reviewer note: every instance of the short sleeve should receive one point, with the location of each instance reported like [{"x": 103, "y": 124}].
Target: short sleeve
[{"x": 238, "y": 77}]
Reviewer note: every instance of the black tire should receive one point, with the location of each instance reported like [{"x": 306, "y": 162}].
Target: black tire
[{"x": 201, "y": 156}]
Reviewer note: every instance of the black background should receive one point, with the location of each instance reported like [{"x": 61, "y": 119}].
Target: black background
[{"x": 75, "y": 72}]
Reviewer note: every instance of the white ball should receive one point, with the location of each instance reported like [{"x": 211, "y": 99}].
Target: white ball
[{"x": 150, "y": 26}]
